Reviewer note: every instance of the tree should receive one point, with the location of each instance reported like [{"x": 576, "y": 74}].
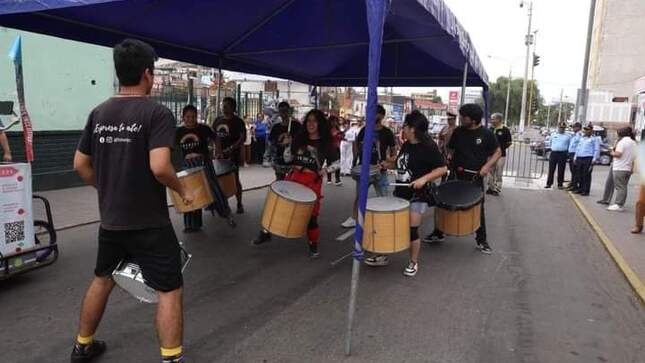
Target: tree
[
  {"x": 437, "y": 99},
  {"x": 497, "y": 101}
]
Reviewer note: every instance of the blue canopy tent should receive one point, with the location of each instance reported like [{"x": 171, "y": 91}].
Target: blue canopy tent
[{"x": 319, "y": 42}]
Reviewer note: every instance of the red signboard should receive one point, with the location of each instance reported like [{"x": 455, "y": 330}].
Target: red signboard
[{"x": 453, "y": 100}]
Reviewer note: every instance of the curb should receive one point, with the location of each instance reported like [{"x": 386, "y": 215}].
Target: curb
[
  {"x": 63, "y": 228},
  {"x": 633, "y": 279}
]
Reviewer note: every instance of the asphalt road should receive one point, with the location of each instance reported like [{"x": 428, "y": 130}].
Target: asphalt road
[{"x": 549, "y": 293}]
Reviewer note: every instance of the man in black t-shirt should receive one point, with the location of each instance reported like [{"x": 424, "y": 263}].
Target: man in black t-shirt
[
  {"x": 473, "y": 150},
  {"x": 230, "y": 133},
  {"x": 504, "y": 139},
  {"x": 383, "y": 148},
  {"x": 124, "y": 152},
  {"x": 279, "y": 140}
]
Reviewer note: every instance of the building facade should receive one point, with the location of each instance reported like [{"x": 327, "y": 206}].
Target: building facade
[
  {"x": 63, "y": 81},
  {"x": 618, "y": 51}
]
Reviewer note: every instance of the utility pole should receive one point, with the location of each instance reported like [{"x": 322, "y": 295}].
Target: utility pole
[
  {"x": 528, "y": 43},
  {"x": 508, "y": 94},
  {"x": 560, "y": 111},
  {"x": 585, "y": 69},
  {"x": 548, "y": 116},
  {"x": 532, "y": 84}
]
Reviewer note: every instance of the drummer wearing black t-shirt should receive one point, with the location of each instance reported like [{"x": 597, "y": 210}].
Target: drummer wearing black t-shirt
[
  {"x": 383, "y": 148},
  {"x": 279, "y": 138},
  {"x": 230, "y": 134},
  {"x": 473, "y": 150},
  {"x": 124, "y": 152},
  {"x": 194, "y": 139}
]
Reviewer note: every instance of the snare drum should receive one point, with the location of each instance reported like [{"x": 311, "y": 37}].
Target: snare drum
[
  {"x": 225, "y": 172},
  {"x": 375, "y": 172},
  {"x": 129, "y": 277},
  {"x": 287, "y": 209},
  {"x": 387, "y": 225},
  {"x": 195, "y": 182},
  {"x": 458, "y": 207}
]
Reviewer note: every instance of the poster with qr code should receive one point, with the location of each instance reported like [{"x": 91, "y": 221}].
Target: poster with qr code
[{"x": 16, "y": 212}]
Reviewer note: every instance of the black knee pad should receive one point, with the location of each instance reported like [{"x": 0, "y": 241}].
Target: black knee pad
[
  {"x": 313, "y": 223},
  {"x": 414, "y": 233}
]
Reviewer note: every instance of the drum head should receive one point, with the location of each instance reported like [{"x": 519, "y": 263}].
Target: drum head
[
  {"x": 458, "y": 195},
  {"x": 293, "y": 191},
  {"x": 187, "y": 172},
  {"x": 387, "y": 204},
  {"x": 223, "y": 166},
  {"x": 129, "y": 278}
]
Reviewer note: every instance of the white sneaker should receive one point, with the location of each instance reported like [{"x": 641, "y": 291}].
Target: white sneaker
[
  {"x": 349, "y": 223},
  {"x": 615, "y": 208},
  {"x": 412, "y": 269},
  {"x": 378, "y": 260}
]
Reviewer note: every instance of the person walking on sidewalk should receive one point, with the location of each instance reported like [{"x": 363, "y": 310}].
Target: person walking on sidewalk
[
  {"x": 573, "y": 145},
  {"x": 587, "y": 154},
  {"x": 473, "y": 147},
  {"x": 504, "y": 139},
  {"x": 622, "y": 167},
  {"x": 260, "y": 139},
  {"x": 560, "y": 142},
  {"x": 347, "y": 149},
  {"x": 124, "y": 152},
  {"x": 337, "y": 138}
]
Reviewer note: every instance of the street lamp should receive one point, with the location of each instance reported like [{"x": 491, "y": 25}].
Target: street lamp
[{"x": 528, "y": 41}]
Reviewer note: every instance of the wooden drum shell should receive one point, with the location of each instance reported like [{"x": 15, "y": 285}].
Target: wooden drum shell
[
  {"x": 228, "y": 184},
  {"x": 285, "y": 217},
  {"x": 386, "y": 232},
  {"x": 458, "y": 222},
  {"x": 195, "y": 182}
]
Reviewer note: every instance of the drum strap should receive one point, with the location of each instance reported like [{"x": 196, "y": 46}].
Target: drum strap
[{"x": 414, "y": 233}]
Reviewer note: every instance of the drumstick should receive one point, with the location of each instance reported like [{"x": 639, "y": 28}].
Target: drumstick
[
  {"x": 401, "y": 184},
  {"x": 336, "y": 262},
  {"x": 467, "y": 170}
]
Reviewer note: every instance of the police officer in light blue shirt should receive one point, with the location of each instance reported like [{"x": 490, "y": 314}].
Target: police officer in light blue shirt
[
  {"x": 573, "y": 145},
  {"x": 587, "y": 154},
  {"x": 559, "y": 151}
]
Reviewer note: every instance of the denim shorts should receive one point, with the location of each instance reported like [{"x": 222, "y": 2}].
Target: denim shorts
[{"x": 418, "y": 207}]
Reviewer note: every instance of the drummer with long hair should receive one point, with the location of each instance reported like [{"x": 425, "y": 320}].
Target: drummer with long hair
[
  {"x": 419, "y": 162},
  {"x": 194, "y": 139},
  {"x": 311, "y": 148}
]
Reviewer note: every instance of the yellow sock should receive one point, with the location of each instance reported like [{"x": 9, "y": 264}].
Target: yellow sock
[
  {"x": 171, "y": 352},
  {"x": 84, "y": 340}
]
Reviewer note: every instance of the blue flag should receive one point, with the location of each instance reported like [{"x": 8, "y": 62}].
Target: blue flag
[{"x": 16, "y": 51}]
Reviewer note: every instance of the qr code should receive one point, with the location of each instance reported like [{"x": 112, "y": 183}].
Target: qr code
[{"x": 14, "y": 232}]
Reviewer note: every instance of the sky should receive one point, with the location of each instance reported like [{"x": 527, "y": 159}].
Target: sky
[{"x": 497, "y": 28}]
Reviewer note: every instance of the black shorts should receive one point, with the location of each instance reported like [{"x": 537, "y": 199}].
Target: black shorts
[{"x": 155, "y": 250}]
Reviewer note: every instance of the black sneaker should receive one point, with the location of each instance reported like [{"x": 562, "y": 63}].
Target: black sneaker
[
  {"x": 484, "y": 248},
  {"x": 313, "y": 251},
  {"x": 434, "y": 237},
  {"x": 489, "y": 191},
  {"x": 240, "y": 209},
  {"x": 263, "y": 237},
  {"x": 547, "y": 187},
  {"x": 603, "y": 202},
  {"x": 494, "y": 193},
  {"x": 174, "y": 359},
  {"x": 560, "y": 187},
  {"x": 84, "y": 353}
]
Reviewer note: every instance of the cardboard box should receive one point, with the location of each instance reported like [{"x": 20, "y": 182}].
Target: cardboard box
[{"x": 16, "y": 210}]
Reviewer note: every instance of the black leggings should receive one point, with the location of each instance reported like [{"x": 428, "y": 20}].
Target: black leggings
[{"x": 336, "y": 174}]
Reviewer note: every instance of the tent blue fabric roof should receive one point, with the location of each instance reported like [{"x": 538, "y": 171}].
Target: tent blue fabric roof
[{"x": 320, "y": 42}]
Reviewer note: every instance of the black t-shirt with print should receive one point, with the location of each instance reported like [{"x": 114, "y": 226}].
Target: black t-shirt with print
[
  {"x": 313, "y": 155},
  {"x": 229, "y": 130},
  {"x": 278, "y": 132},
  {"x": 383, "y": 139},
  {"x": 413, "y": 162},
  {"x": 194, "y": 140},
  {"x": 472, "y": 148},
  {"x": 118, "y": 136}
]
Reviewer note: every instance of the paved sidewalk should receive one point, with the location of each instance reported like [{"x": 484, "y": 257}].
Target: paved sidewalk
[
  {"x": 616, "y": 225},
  {"x": 78, "y": 206}
]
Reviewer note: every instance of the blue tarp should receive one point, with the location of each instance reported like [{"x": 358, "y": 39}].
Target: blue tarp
[{"x": 320, "y": 42}]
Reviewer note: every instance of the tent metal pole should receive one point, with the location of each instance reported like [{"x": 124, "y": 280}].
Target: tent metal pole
[
  {"x": 219, "y": 89},
  {"x": 376, "y": 12},
  {"x": 463, "y": 85}
]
